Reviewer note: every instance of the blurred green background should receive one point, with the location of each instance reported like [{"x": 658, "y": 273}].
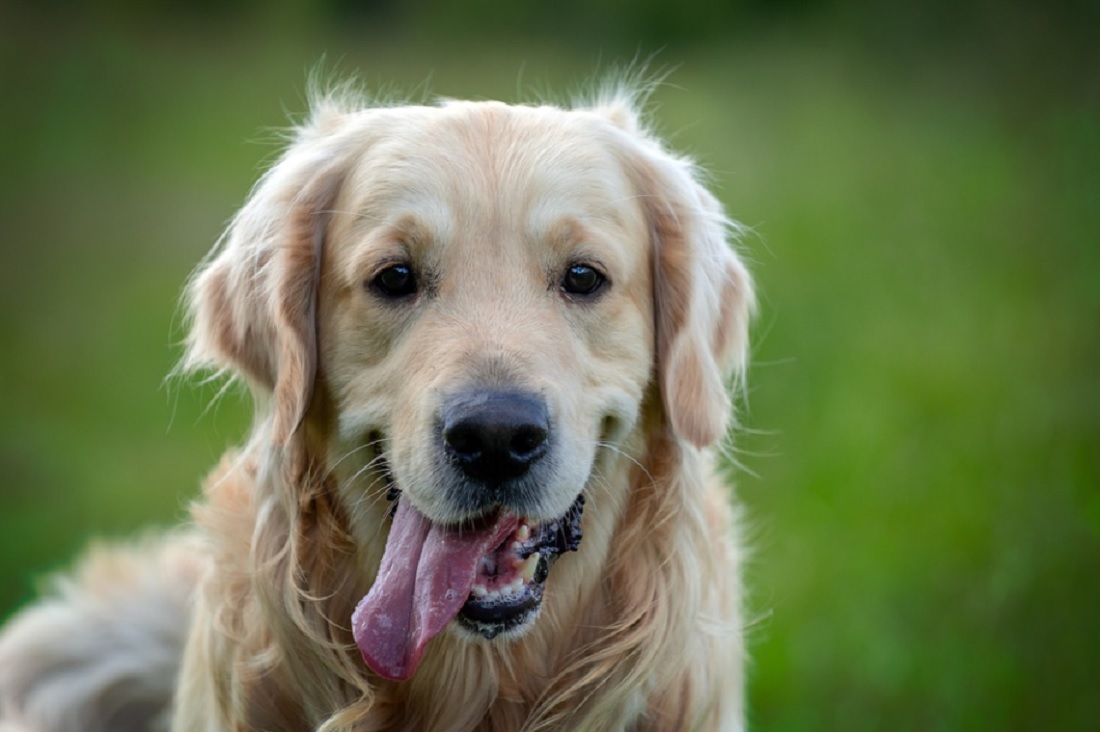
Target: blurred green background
[{"x": 922, "y": 435}]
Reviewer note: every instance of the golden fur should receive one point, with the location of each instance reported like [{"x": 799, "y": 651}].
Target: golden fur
[{"x": 640, "y": 629}]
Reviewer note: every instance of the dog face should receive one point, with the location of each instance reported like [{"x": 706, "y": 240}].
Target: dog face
[
  {"x": 475, "y": 304},
  {"x": 485, "y": 307}
]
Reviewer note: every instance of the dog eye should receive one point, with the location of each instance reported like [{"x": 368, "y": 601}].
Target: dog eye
[
  {"x": 582, "y": 280},
  {"x": 395, "y": 281}
]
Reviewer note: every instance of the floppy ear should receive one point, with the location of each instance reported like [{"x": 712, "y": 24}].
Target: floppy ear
[
  {"x": 702, "y": 291},
  {"x": 704, "y": 298},
  {"x": 253, "y": 303}
]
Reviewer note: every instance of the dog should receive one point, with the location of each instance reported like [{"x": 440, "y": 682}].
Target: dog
[{"x": 491, "y": 349}]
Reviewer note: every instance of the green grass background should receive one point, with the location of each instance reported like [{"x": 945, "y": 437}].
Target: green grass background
[{"x": 922, "y": 432}]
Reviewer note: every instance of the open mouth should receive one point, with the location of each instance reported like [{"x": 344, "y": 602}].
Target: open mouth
[
  {"x": 508, "y": 585},
  {"x": 488, "y": 574}
]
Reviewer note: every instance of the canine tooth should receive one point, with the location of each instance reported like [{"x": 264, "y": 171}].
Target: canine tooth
[
  {"x": 529, "y": 567},
  {"x": 523, "y": 533}
]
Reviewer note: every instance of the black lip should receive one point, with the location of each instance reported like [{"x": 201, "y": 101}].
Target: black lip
[
  {"x": 563, "y": 534},
  {"x": 491, "y": 629},
  {"x": 505, "y": 611}
]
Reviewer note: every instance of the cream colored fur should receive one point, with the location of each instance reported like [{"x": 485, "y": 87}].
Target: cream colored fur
[{"x": 244, "y": 623}]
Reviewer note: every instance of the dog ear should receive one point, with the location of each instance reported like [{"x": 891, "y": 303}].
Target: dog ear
[
  {"x": 253, "y": 302},
  {"x": 703, "y": 295}
]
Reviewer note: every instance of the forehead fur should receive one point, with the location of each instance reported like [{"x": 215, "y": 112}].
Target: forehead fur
[{"x": 461, "y": 155}]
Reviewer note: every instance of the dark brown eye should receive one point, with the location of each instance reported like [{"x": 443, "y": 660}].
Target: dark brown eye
[
  {"x": 395, "y": 281},
  {"x": 582, "y": 280}
]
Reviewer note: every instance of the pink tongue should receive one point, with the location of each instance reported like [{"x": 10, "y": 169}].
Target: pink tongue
[{"x": 424, "y": 579}]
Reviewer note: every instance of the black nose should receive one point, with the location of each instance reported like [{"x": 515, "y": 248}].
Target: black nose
[{"x": 495, "y": 436}]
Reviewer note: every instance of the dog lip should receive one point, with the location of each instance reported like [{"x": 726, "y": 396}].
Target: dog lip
[{"x": 490, "y": 623}]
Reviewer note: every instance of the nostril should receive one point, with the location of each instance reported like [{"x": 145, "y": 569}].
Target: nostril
[
  {"x": 528, "y": 441},
  {"x": 464, "y": 438}
]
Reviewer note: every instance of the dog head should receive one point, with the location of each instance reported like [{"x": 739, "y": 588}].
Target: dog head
[{"x": 476, "y": 305}]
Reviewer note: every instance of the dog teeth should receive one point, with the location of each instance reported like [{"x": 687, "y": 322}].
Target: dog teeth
[
  {"x": 523, "y": 533},
  {"x": 527, "y": 571},
  {"x": 482, "y": 592}
]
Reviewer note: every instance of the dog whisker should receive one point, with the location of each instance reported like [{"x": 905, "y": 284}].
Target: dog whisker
[
  {"x": 353, "y": 451},
  {"x": 619, "y": 451}
]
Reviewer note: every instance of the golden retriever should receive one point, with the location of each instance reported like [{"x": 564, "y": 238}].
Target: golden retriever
[{"x": 489, "y": 347}]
